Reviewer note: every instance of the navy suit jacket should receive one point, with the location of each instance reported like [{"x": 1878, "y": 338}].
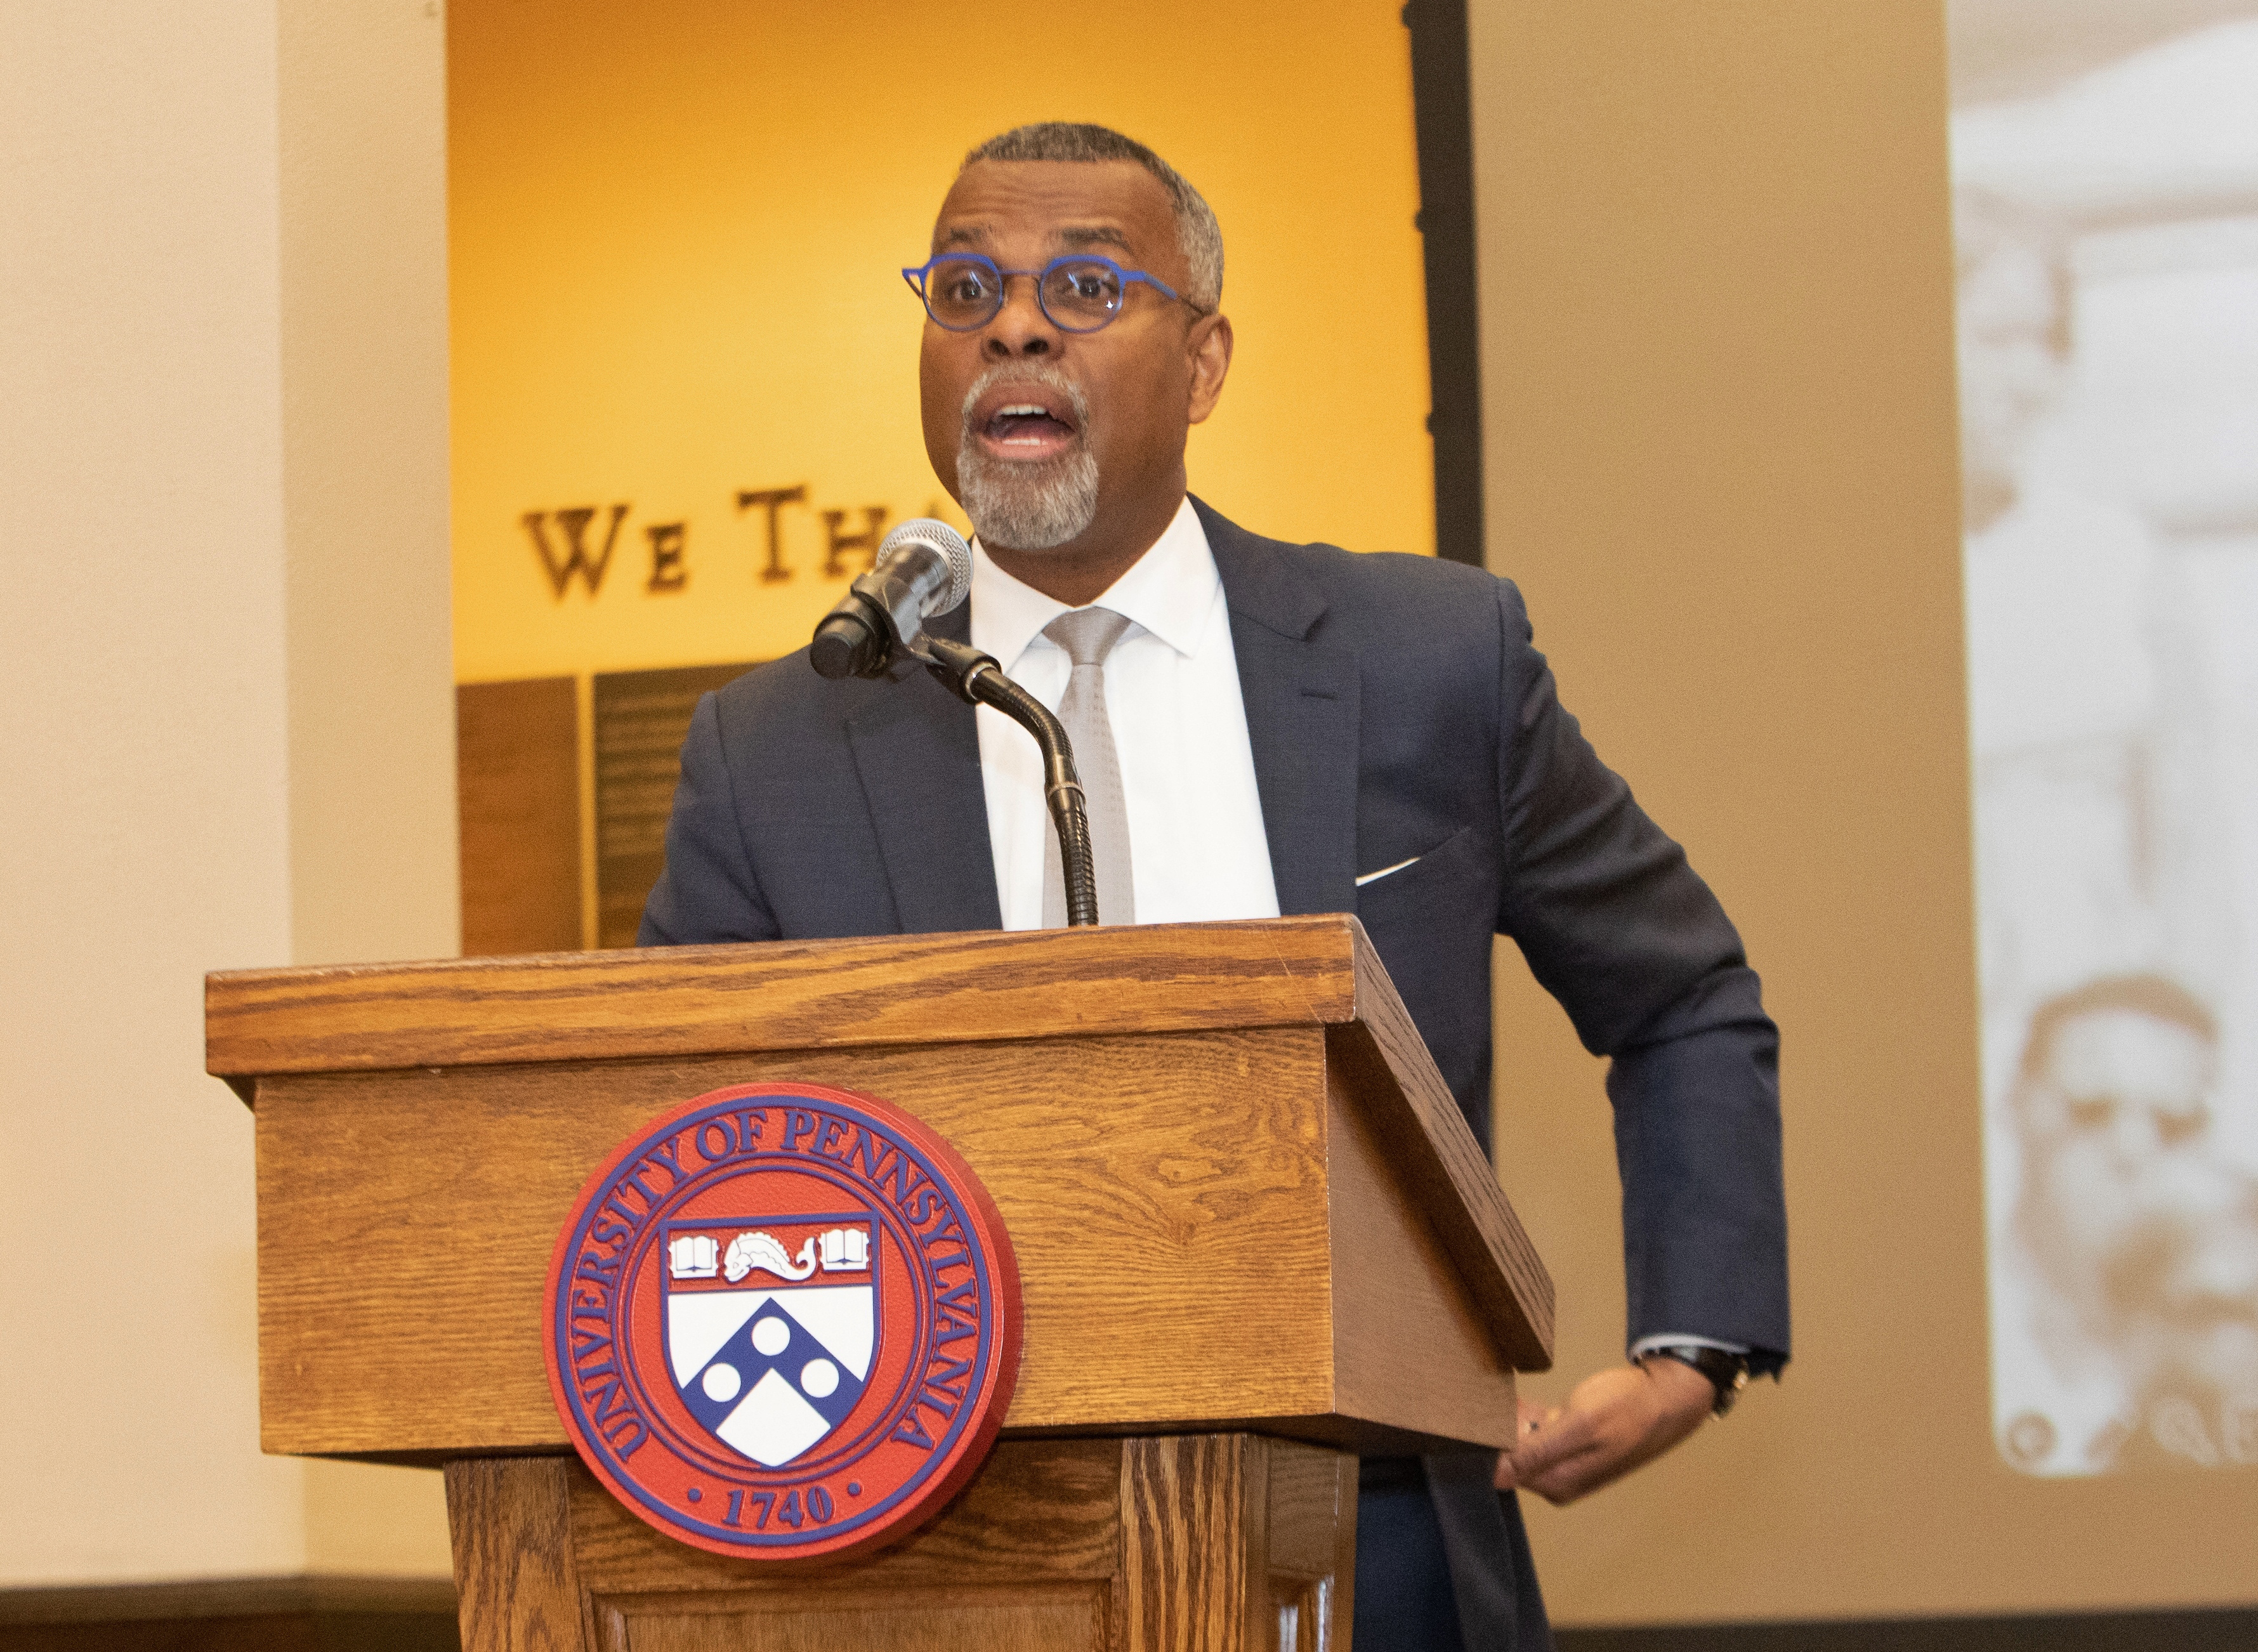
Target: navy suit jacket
[{"x": 1396, "y": 709}]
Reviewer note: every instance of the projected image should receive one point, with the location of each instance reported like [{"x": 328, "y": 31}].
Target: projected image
[{"x": 2105, "y": 167}]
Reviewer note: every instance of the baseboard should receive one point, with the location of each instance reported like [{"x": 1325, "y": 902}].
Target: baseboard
[
  {"x": 234, "y": 1614},
  {"x": 385, "y": 1615},
  {"x": 2232, "y": 1629}
]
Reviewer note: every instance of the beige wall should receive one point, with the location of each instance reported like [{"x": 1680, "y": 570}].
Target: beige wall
[
  {"x": 1722, "y": 461},
  {"x": 364, "y": 332},
  {"x": 145, "y": 809},
  {"x": 372, "y": 701},
  {"x": 228, "y": 730}
]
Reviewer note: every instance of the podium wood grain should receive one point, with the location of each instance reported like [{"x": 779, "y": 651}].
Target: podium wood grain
[
  {"x": 973, "y": 988},
  {"x": 1179, "y": 1185},
  {"x": 1102, "y": 1081},
  {"x": 1255, "y": 1235},
  {"x": 855, "y": 994},
  {"x": 1181, "y": 1543}
]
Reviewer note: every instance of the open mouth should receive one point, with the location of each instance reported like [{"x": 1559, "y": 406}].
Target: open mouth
[{"x": 1025, "y": 422}]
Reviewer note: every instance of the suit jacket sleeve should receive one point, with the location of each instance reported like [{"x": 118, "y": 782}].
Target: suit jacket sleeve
[
  {"x": 709, "y": 891},
  {"x": 1617, "y": 926}
]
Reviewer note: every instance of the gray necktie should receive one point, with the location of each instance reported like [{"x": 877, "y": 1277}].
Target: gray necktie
[{"x": 1087, "y": 636}]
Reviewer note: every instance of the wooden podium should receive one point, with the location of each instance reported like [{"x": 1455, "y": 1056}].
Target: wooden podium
[{"x": 1256, "y": 1238}]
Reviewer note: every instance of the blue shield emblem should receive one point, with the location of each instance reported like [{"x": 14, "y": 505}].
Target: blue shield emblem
[{"x": 770, "y": 1328}]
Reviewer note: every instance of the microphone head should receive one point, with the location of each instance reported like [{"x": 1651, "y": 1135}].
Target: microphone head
[{"x": 945, "y": 542}]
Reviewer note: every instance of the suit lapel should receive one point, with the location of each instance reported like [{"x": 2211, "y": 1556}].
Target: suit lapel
[
  {"x": 1301, "y": 711},
  {"x": 916, "y": 751}
]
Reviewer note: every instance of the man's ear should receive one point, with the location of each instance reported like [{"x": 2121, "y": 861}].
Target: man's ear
[{"x": 1209, "y": 346}]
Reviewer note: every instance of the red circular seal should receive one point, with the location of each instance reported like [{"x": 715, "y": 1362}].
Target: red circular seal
[{"x": 783, "y": 1321}]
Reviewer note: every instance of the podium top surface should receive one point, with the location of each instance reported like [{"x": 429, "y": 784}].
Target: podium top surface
[{"x": 675, "y": 1001}]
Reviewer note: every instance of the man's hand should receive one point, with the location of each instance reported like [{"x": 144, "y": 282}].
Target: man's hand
[{"x": 1612, "y": 1424}]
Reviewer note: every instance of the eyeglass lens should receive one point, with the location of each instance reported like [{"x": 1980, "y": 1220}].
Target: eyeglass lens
[{"x": 1078, "y": 296}]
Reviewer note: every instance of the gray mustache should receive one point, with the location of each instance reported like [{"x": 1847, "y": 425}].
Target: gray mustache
[{"x": 1016, "y": 373}]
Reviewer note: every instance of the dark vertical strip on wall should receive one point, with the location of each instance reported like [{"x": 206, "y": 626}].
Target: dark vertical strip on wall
[{"x": 1443, "y": 105}]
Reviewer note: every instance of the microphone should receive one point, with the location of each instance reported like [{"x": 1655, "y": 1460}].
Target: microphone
[{"x": 924, "y": 568}]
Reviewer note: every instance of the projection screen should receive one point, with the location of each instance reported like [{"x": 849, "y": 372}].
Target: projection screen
[{"x": 2106, "y": 176}]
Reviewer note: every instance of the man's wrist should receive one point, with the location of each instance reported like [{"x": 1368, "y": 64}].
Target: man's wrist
[{"x": 1726, "y": 1370}]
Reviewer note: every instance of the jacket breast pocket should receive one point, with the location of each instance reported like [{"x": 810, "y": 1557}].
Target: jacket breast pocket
[
  {"x": 1426, "y": 887},
  {"x": 1431, "y": 924}
]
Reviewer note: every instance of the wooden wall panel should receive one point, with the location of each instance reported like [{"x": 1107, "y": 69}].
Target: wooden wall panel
[
  {"x": 641, "y": 718},
  {"x": 518, "y": 795}
]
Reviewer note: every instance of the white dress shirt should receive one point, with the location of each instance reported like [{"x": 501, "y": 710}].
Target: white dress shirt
[{"x": 1197, "y": 844}]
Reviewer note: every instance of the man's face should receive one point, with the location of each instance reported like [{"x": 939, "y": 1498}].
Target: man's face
[
  {"x": 2119, "y": 1172},
  {"x": 1107, "y": 444},
  {"x": 2126, "y": 1087}
]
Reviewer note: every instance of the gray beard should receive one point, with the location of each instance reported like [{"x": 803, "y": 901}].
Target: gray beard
[{"x": 1023, "y": 507}]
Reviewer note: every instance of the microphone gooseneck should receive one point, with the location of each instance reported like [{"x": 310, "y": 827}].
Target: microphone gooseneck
[
  {"x": 924, "y": 568},
  {"x": 975, "y": 676}
]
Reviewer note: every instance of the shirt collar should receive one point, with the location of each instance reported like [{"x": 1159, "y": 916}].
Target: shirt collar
[{"x": 1168, "y": 592}]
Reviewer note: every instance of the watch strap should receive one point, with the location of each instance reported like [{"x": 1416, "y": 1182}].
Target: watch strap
[{"x": 1728, "y": 1372}]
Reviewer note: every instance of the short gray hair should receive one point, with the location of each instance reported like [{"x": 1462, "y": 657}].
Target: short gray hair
[{"x": 1197, "y": 232}]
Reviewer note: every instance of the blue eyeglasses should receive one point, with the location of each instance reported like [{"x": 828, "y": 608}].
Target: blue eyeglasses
[{"x": 1080, "y": 292}]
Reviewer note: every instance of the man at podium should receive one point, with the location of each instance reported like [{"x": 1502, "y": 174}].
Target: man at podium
[{"x": 1264, "y": 729}]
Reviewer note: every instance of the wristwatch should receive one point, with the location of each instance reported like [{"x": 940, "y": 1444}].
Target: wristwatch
[{"x": 1728, "y": 1372}]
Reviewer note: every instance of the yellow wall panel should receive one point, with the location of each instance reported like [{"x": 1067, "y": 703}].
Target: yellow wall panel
[{"x": 676, "y": 230}]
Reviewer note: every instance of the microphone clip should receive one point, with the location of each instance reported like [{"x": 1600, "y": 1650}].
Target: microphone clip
[{"x": 924, "y": 568}]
